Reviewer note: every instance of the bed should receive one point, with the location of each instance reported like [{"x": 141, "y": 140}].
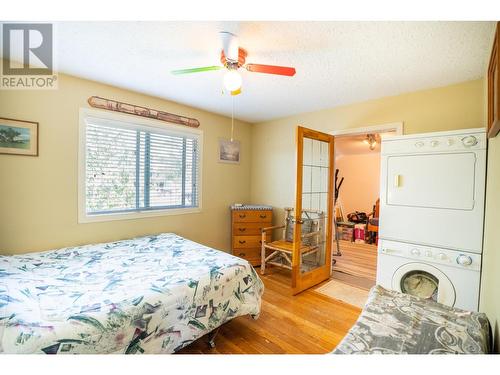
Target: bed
[
  {"x": 397, "y": 323},
  {"x": 153, "y": 294}
]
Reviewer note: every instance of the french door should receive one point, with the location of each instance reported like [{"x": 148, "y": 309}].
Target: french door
[{"x": 312, "y": 242}]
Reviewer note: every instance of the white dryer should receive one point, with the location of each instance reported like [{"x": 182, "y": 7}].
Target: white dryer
[
  {"x": 432, "y": 189},
  {"x": 445, "y": 276}
]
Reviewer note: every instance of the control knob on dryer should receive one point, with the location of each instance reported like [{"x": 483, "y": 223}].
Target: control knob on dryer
[
  {"x": 441, "y": 256},
  {"x": 469, "y": 141},
  {"x": 415, "y": 252},
  {"x": 464, "y": 260}
]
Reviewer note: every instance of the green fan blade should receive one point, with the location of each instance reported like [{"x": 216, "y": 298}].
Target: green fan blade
[{"x": 196, "y": 70}]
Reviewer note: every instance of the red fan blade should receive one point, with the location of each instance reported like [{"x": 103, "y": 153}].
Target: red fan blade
[{"x": 271, "y": 69}]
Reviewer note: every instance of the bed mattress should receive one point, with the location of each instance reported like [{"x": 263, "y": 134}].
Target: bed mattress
[
  {"x": 397, "y": 323},
  {"x": 154, "y": 294}
]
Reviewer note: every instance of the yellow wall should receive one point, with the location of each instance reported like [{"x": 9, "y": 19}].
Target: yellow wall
[
  {"x": 490, "y": 283},
  {"x": 273, "y": 143},
  {"x": 38, "y": 195}
]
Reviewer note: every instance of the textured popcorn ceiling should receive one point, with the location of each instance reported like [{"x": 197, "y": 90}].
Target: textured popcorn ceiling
[{"x": 337, "y": 62}]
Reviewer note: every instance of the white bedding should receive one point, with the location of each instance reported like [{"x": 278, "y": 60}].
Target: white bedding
[{"x": 153, "y": 294}]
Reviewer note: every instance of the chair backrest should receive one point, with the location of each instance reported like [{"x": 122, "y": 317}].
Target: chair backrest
[
  {"x": 376, "y": 212},
  {"x": 314, "y": 222}
]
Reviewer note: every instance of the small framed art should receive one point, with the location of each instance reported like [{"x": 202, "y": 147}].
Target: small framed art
[
  {"x": 18, "y": 137},
  {"x": 229, "y": 152}
]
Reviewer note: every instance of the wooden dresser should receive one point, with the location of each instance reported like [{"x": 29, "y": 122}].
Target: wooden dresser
[{"x": 246, "y": 224}]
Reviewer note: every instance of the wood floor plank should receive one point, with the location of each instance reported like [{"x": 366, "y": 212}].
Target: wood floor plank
[
  {"x": 309, "y": 323},
  {"x": 357, "y": 259}
]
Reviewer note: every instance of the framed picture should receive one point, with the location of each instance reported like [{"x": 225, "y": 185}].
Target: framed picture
[
  {"x": 18, "y": 137},
  {"x": 494, "y": 87},
  {"x": 229, "y": 152}
]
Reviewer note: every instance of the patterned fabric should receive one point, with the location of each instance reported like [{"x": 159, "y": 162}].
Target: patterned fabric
[
  {"x": 252, "y": 207},
  {"x": 153, "y": 294},
  {"x": 397, "y": 323}
]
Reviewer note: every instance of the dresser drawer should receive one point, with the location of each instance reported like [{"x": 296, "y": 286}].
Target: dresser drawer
[
  {"x": 249, "y": 229},
  {"x": 252, "y": 255},
  {"x": 252, "y": 216},
  {"x": 246, "y": 242}
]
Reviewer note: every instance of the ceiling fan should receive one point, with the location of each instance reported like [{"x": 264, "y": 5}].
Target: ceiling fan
[{"x": 233, "y": 58}]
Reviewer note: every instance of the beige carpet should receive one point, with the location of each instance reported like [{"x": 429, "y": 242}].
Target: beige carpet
[{"x": 344, "y": 292}]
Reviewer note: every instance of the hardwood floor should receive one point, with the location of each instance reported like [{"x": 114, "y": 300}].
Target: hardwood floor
[
  {"x": 356, "y": 281},
  {"x": 309, "y": 323},
  {"x": 358, "y": 263}
]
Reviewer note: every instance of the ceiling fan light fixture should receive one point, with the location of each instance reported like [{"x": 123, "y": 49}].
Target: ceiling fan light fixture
[{"x": 232, "y": 80}]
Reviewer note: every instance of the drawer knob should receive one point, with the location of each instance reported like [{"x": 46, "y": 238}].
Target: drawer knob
[
  {"x": 242, "y": 216},
  {"x": 242, "y": 242},
  {"x": 242, "y": 229},
  {"x": 241, "y": 254},
  {"x": 263, "y": 216}
]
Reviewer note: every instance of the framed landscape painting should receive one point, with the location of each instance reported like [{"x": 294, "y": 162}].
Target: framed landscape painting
[
  {"x": 229, "y": 152},
  {"x": 18, "y": 137}
]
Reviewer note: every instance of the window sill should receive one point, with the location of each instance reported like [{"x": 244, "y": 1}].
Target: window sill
[{"x": 84, "y": 218}]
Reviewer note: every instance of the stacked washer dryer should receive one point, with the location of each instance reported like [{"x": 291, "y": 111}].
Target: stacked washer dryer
[{"x": 432, "y": 215}]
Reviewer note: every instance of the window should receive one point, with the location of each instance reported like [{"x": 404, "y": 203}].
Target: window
[{"x": 137, "y": 167}]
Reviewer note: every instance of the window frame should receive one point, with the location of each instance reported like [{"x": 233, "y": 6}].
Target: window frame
[{"x": 131, "y": 122}]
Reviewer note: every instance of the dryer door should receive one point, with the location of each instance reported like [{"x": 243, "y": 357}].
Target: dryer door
[
  {"x": 444, "y": 181},
  {"x": 424, "y": 281}
]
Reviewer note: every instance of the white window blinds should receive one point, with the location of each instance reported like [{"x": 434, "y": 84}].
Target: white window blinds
[{"x": 135, "y": 168}]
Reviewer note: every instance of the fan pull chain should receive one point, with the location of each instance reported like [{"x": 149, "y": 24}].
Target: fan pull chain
[{"x": 232, "y": 117}]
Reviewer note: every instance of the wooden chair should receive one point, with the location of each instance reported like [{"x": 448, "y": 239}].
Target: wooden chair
[{"x": 280, "y": 251}]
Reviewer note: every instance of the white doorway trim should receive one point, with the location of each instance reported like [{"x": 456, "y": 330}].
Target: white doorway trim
[{"x": 397, "y": 127}]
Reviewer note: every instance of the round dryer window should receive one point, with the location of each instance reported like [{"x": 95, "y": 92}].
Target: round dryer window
[
  {"x": 420, "y": 284},
  {"x": 424, "y": 281}
]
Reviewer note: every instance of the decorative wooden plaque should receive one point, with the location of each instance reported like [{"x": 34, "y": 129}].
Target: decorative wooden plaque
[{"x": 113, "y": 105}]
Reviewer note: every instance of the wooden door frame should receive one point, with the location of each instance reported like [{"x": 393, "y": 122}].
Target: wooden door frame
[
  {"x": 303, "y": 281},
  {"x": 396, "y": 127}
]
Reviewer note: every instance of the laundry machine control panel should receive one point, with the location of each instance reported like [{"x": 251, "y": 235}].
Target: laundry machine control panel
[
  {"x": 436, "y": 142},
  {"x": 430, "y": 254}
]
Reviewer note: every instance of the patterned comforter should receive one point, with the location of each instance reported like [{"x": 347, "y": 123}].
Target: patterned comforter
[
  {"x": 153, "y": 294},
  {"x": 397, "y": 323}
]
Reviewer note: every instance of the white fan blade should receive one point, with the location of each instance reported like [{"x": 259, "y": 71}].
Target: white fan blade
[{"x": 229, "y": 45}]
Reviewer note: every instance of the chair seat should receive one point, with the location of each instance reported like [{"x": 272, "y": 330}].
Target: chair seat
[{"x": 287, "y": 247}]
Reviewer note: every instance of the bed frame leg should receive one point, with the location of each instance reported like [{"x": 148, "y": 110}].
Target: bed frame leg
[{"x": 211, "y": 338}]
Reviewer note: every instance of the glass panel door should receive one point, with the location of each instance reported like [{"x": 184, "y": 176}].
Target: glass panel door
[{"x": 313, "y": 209}]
